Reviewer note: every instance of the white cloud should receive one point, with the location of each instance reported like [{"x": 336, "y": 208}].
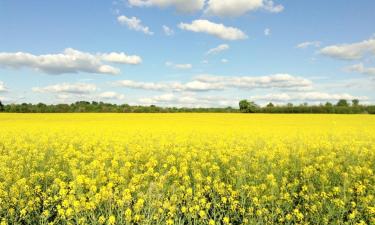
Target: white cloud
[
  {"x": 158, "y": 99},
  {"x": 307, "y": 44},
  {"x": 179, "y": 66},
  {"x": 169, "y": 86},
  {"x": 3, "y": 88},
  {"x": 121, "y": 58},
  {"x": 350, "y": 51},
  {"x": 218, "y": 49},
  {"x": 186, "y": 6},
  {"x": 210, "y": 83},
  {"x": 67, "y": 88},
  {"x": 188, "y": 100},
  {"x": 283, "y": 81},
  {"x": 134, "y": 23},
  {"x": 267, "y": 32},
  {"x": 307, "y": 96},
  {"x": 224, "y": 60},
  {"x": 239, "y": 7},
  {"x": 168, "y": 31},
  {"x": 70, "y": 61},
  {"x": 218, "y": 30},
  {"x": 360, "y": 68},
  {"x": 111, "y": 95}
]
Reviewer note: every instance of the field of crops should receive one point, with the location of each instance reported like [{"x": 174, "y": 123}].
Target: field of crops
[{"x": 187, "y": 169}]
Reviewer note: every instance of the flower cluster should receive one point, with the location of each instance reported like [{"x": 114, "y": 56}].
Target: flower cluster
[{"x": 187, "y": 169}]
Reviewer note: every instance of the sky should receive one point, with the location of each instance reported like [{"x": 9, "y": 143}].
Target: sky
[{"x": 196, "y": 53}]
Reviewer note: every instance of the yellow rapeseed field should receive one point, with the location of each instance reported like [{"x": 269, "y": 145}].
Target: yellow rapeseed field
[{"x": 187, "y": 169}]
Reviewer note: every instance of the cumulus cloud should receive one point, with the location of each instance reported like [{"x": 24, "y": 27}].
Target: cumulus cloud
[
  {"x": 168, "y": 31},
  {"x": 218, "y": 30},
  {"x": 3, "y": 88},
  {"x": 283, "y": 81},
  {"x": 188, "y": 100},
  {"x": 179, "y": 66},
  {"x": 169, "y": 86},
  {"x": 211, "y": 83},
  {"x": 307, "y": 96},
  {"x": 234, "y": 8},
  {"x": 180, "y": 5},
  {"x": 134, "y": 23},
  {"x": 70, "y": 61},
  {"x": 307, "y": 44},
  {"x": 218, "y": 49},
  {"x": 121, "y": 58},
  {"x": 67, "y": 88},
  {"x": 193, "y": 100},
  {"x": 350, "y": 51},
  {"x": 111, "y": 95},
  {"x": 360, "y": 68}
]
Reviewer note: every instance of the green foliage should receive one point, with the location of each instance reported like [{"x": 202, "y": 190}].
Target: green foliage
[
  {"x": 101, "y": 107},
  {"x": 342, "y": 103},
  {"x": 245, "y": 106},
  {"x": 248, "y": 107},
  {"x": 355, "y": 102}
]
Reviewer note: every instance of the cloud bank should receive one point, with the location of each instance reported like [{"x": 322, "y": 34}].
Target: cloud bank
[
  {"x": 69, "y": 61},
  {"x": 211, "y": 82},
  {"x": 222, "y": 8},
  {"x": 69, "y": 88},
  {"x": 350, "y": 51}
]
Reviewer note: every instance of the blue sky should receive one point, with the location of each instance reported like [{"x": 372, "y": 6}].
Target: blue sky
[{"x": 213, "y": 53}]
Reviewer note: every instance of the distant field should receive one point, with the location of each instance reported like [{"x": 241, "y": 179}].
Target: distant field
[{"x": 187, "y": 169}]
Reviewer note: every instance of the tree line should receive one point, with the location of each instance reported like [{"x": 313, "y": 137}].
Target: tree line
[
  {"x": 341, "y": 107},
  {"x": 101, "y": 107}
]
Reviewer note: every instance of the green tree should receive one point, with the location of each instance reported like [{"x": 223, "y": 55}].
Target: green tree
[
  {"x": 244, "y": 105},
  {"x": 343, "y": 103},
  {"x": 270, "y": 105},
  {"x": 328, "y": 104},
  {"x": 248, "y": 107},
  {"x": 355, "y": 102},
  {"x": 1, "y": 107}
]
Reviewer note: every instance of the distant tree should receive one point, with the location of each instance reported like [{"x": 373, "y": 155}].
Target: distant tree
[
  {"x": 248, "y": 107},
  {"x": 328, "y": 104},
  {"x": 355, "y": 102},
  {"x": 270, "y": 105},
  {"x": 1, "y": 107},
  {"x": 289, "y": 105},
  {"x": 343, "y": 103},
  {"x": 244, "y": 105}
]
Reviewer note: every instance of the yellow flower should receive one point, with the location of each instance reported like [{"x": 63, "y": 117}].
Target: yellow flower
[
  {"x": 101, "y": 220},
  {"x": 226, "y": 220},
  {"x": 202, "y": 214},
  {"x": 111, "y": 220},
  {"x": 128, "y": 215}
]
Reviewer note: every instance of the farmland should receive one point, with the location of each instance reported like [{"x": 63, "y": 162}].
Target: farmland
[{"x": 187, "y": 169}]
